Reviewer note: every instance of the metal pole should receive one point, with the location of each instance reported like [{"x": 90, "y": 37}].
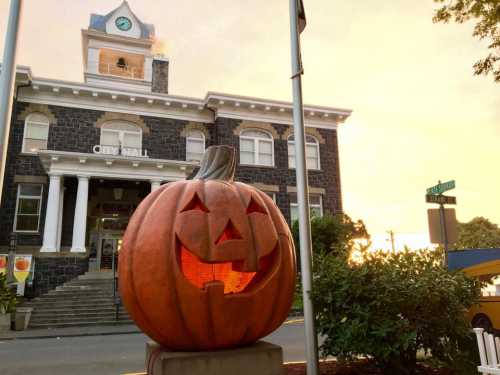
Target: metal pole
[
  {"x": 7, "y": 81},
  {"x": 444, "y": 234},
  {"x": 303, "y": 195}
]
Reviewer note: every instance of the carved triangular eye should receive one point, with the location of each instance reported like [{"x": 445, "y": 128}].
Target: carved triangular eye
[
  {"x": 195, "y": 204},
  {"x": 253, "y": 206}
]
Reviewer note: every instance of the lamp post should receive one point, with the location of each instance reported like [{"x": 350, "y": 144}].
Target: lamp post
[{"x": 12, "y": 255}]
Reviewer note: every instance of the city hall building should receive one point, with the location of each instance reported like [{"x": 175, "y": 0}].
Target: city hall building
[{"x": 82, "y": 156}]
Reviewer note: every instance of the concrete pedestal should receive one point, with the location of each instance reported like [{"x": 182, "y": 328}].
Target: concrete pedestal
[{"x": 261, "y": 358}]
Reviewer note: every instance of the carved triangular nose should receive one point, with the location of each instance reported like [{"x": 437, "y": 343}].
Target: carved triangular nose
[{"x": 229, "y": 233}]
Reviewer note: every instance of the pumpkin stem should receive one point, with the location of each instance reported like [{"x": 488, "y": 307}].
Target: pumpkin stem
[{"x": 219, "y": 163}]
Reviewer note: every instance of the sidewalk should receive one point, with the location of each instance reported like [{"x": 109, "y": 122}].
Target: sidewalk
[
  {"x": 43, "y": 333},
  {"x": 119, "y": 329}
]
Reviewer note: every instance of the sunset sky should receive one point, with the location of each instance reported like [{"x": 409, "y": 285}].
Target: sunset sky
[{"x": 419, "y": 113}]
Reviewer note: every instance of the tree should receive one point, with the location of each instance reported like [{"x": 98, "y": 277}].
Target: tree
[
  {"x": 478, "y": 233},
  {"x": 487, "y": 16},
  {"x": 335, "y": 234},
  {"x": 390, "y": 306}
]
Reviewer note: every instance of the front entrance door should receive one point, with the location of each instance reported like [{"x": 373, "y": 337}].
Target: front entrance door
[{"x": 109, "y": 246}]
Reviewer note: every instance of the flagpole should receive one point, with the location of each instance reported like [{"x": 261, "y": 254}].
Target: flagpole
[
  {"x": 7, "y": 79},
  {"x": 302, "y": 194}
]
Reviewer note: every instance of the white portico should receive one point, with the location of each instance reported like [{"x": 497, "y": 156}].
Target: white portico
[{"x": 85, "y": 167}]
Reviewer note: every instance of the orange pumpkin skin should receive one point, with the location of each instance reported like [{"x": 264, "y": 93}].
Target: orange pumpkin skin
[
  {"x": 3, "y": 262},
  {"x": 188, "y": 221}
]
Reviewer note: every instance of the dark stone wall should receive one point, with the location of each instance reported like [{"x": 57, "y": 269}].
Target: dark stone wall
[
  {"x": 160, "y": 76},
  {"x": 27, "y": 165},
  {"x": 326, "y": 178},
  {"x": 75, "y": 131},
  {"x": 51, "y": 272}
]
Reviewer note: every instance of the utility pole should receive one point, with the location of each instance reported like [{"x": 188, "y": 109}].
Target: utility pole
[
  {"x": 7, "y": 81},
  {"x": 391, "y": 234}
]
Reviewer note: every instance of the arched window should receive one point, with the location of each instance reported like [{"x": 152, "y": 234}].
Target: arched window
[
  {"x": 36, "y": 133},
  {"x": 312, "y": 152},
  {"x": 121, "y": 136},
  {"x": 195, "y": 145},
  {"x": 256, "y": 148}
]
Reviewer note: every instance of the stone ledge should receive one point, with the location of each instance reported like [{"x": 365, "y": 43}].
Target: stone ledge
[{"x": 260, "y": 358}]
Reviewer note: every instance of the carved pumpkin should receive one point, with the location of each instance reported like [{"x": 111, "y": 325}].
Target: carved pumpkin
[
  {"x": 3, "y": 261},
  {"x": 207, "y": 263},
  {"x": 22, "y": 264}
]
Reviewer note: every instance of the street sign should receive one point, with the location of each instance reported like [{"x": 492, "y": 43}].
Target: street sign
[
  {"x": 440, "y": 199},
  {"x": 436, "y": 230},
  {"x": 441, "y": 187}
]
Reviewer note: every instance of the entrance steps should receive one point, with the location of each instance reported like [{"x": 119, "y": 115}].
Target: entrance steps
[{"x": 84, "y": 301}]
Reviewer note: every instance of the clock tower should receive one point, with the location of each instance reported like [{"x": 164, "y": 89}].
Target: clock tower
[{"x": 117, "y": 53}]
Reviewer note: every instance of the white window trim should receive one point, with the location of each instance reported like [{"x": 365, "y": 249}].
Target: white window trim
[
  {"x": 189, "y": 138},
  {"x": 256, "y": 142},
  {"x": 316, "y": 144},
  {"x": 121, "y": 133},
  {"x": 19, "y": 196},
  {"x": 26, "y": 121},
  {"x": 320, "y": 205},
  {"x": 271, "y": 194}
]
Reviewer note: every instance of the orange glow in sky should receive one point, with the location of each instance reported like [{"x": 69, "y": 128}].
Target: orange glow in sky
[{"x": 419, "y": 113}]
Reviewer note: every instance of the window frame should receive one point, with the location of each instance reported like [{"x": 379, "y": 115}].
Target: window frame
[
  {"x": 33, "y": 197},
  {"x": 121, "y": 135},
  {"x": 256, "y": 144},
  {"x": 320, "y": 205},
  {"x": 315, "y": 144},
  {"x": 27, "y": 121},
  {"x": 190, "y": 138}
]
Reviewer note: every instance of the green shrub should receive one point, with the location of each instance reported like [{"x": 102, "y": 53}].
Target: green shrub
[
  {"x": 391, "y": 306},
  {"x": 7, "y": 296}
]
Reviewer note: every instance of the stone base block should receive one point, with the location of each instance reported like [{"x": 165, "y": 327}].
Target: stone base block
[{"x": 261, "y": 358}]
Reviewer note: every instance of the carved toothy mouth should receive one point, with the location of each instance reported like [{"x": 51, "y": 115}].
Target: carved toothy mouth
[{"x": 201, "y": 274}]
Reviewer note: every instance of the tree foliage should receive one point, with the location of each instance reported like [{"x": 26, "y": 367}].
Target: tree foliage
[
  {"x": 478, "y": 233},
  {"x": 392, "y": 305},
  {"x": 336, "y": 234},
  {"x": 486, "y": 13}
]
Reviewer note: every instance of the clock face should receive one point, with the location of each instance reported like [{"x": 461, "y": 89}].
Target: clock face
[{"x": 123, "y": 23}]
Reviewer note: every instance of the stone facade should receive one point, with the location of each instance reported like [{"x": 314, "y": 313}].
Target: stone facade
[
  {"x": 77, "y": 130},
  {"x": 51, "y": 272}
]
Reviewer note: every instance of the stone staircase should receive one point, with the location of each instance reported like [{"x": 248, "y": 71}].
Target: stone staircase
[{"x": 84, "y": 301}]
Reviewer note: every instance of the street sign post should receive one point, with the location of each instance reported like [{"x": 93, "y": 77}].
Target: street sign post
[
  {"x": 441, "y": 187},
  {"x": 436, "y": 233},
  {"x": 435, "y": 195},
  {"x": 440, "y": 199}
]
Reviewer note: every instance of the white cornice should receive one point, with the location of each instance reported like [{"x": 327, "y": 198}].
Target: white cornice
[
  {"x": 117, "y": 38},
  {"x": 75, "y": 95},
  {"x": 88, "y": 96},
  {"x": 275, "y": 111},
  {"x": 107, "y": 166}
]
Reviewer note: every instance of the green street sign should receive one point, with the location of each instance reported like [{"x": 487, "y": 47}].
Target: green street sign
[{"x": 441, "y": 188}]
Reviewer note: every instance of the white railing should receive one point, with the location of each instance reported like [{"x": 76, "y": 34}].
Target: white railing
[{"x": 121, "y": 71}]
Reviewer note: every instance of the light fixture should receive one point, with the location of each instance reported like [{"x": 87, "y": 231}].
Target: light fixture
[{"x": 118, "y": 193}]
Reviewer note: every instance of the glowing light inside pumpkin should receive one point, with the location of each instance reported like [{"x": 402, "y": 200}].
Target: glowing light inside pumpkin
[{"x": 199, "y": 273}]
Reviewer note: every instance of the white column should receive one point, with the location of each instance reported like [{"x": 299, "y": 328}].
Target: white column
[
  {"x": 155, "y": 184},
  {"x": 80, "y": 222},
  {"x": 52, "y": 215},
  {"x": 59, "y": 221}
]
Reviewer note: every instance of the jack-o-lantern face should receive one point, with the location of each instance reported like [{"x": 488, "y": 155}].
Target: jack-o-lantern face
[
  {"x": 207, "y": 264},
  {"x": 232, "y": 240}
]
